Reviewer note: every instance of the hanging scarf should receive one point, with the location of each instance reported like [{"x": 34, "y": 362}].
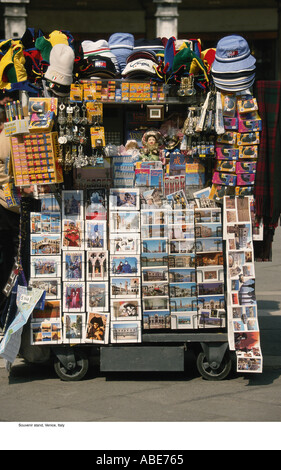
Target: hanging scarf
[{"x": 267, "y": 183}]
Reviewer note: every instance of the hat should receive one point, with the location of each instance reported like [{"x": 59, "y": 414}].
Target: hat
[
  {"x": 140, "y": 67},
  {"x": 232, "y": 54},
  {"x": 153, "y": 45},
  {"x": 236, "y": 88},
  {"x": 186, "y": 60},
  {"x": 150, "y": 55},
  {"x": 97, "y": 48},
  {"x": 121, "y": 45},
  {"x": 98, "y": 66},
  {"x": 61, "y": 65}
]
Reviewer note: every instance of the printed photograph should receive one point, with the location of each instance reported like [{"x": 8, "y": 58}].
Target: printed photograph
[
  {"x": 211, "y": 288},
  {"x": 124, "y": 265},
  {"x": 182, "y": 275},
  {"x": 46, "y": 331},
  {"x": 74, "y": 327},
  {"x": 215, "y": 318},
  {"x": 182, "y": 261},
  {"x": 212, "y": 215},
  {"x": 156, "y": 320},
  {"x": 209, "y": 244},
  {"x": 49, "y": 203},
  {"x": 183, "y": 289},
  {"x": 125, "y": 331},
  {"x": 96, "y": 204},
  {"x": 96, "y": 265},
  {"x": 95, "y": 235},
  {"x": 181, "y": 232},
  {"x": 52, "y": 287},
  {"x": 124, "y": 287},
  {"x": 183, "y": 217},
  {"x": 211, "y": 302},
  {"x": 45, "y": 267},
  {"x": 123, "y": 221},
  {"x": 154, "y": 274},
  {"x": 129, "y": 309},
  {"x": 153, "y": 217},
  {"x": 74, "y": 296},
  {"x": 72, "y": 204},
  {"x": 52, "y": 309},
  {"x": 184, "y": 320},
  {"x": 158, "y": 289},
  {"x": 208, "y": 230},
  {"x": 154, "y": 259},
  {"x": 210, "y": 259},
  {"x": 124, "y": 199},
  {"x": 45, "y": 244},
  {"x": 97, "y": 330},
  {"x": 124, "y": 243},
  {"x": 72, "y": 234},
  {"x": 182, "y": 246},
  {"x": 182, "y": 304},
  {"x": 97, "y": 296},
  {"x": 73, "y": 265},
  {"x": 154, "y": 231},
  {"x": 155, "y": 303},
  {"x": 153, "y": 246}
]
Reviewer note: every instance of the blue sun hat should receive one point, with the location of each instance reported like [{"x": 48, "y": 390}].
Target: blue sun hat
[{"x": 233, "y": 54}]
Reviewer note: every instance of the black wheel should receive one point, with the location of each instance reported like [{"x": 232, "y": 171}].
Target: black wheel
[
  {"x": 212, "y": 373},
  {"x": 76, "y": 371}
]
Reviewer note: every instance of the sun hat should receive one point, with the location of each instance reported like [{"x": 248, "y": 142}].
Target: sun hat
[
  {"x": 235, "y": 81},
  {"x": 99, "y": 48},
  {"x": 121, "y": 45},
  {"x": 61, "y": 65},
  {"x": 235, "y": 88},
  {"x": 233, "y": 54},
  {"x": 139, "y": 68}
]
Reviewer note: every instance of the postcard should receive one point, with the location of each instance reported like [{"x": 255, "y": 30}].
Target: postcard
[
  {"x": 97, "y": 330},
  {"x": 156, "y": 320},
  {"x": 210, "y": 259},
  {"x": 211, "y": 302},
  {"x": 151, "y": 198},
  {"x": 178, "y": 216},
  {"x": 249, "y": 364},
  {"x": 96, "y": 204},
  {"x": 49, "y": 203},
  {"x": 152, "y": 289},
  {"x": 73, "y": 265},
  {"x": 241, "y": 235},
  {"x": 121, "y": 287},
  {"x": 181, "y": 232},
  {"x": 208, "y": 230},
  {"x": 183, "y": 289},
  {"x": 52, "y": 310},
  {"x": 45, "y": 222},
  {"x": 182, "y": 246},
  {"x": 153, "y": 217},
  {"x": 124, "y": 221},
  {"x": 52, "y": 287},
  {"x": 124, "y": 199},
  {"x": 154, "y": 259},
  {"x": 182, "y": 275},
  {"x": 155, "y": 274},
  {"x": 125, "y": 331},
  {"x": 72, "y": 234},
  {"x": 97, "y": 296},
  {"x": 154, "y": 231},
  {"x": 184, "y": 320},
  {"x": 210, "y": 274},
  {"x": 72, "y": 204},
  {"x": 95, "y": 235},
  {"x": 45, "y": 244},
  {"x": 212, "y": 318},
  {"x": 177, "y": 260},
  {"x": 177, "y": 200},
  {"x": 124, "y": 265},
  {"x": 248, "y": 342},
  {"x": 124, "y": 243},
  {"x": 49, "y": 266},
  {"x": 208, "y": 215},
  {"x": 74, "y": 328},
  {"x": 209, "y": 244},
  {"x": 210, "y": 288},
  {"x": 183, "y": 304},
  {"x": 202, "y": 198},
  {"x": 46, "y": 331},
  {"x": 155, "y": 245},
  {"x": 129, "y": 309},
  {"x": 155, "y": 303},
  {"x": 97, "y": 265},
  {"x": 74, "y": 296}
]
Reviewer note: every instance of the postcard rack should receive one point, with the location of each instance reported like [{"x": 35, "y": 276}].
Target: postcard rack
[{"x": 149, "y": 247}]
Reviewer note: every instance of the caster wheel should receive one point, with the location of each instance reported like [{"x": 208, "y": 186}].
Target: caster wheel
[
  {"x": 76, "y": 371},
  {"x": 212, "y": 373}
]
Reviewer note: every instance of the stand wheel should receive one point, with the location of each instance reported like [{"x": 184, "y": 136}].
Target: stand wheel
[
  {"x": 74, "y": 371},
  {"x": 213, "y": 373}
]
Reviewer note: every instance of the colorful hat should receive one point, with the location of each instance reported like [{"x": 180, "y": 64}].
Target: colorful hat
[
  {"x": 99, "y": 48},
  {"x": 121, "y": 45},
  {"x": 61, "y": 65},
  {"x": 233, "y": 54}
]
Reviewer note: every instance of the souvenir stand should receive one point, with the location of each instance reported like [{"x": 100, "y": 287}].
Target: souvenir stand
[{"x": 143, "y": 160}]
